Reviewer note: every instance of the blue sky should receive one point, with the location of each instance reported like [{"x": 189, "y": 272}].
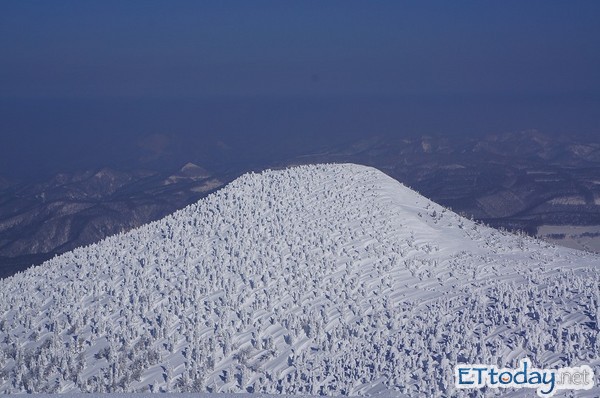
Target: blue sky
[{"x": 444, "y": 67}]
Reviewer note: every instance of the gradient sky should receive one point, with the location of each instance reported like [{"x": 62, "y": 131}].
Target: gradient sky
[{"x": 89, "y": 82}]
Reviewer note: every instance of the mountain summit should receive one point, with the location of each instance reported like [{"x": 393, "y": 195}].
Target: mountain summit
[{"x": 327, "y": 279}]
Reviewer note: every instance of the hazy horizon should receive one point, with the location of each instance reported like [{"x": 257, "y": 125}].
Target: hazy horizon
[{"x": 84, "y": 85}]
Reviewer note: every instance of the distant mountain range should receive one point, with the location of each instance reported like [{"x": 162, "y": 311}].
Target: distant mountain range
[
  {"x": 321, "y": 280},
  {"x": 546, "y": 186},
  {"x": 70, "y": 210}
]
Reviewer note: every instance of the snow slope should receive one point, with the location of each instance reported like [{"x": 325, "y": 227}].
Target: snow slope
[{"x": 328, "y": 279}]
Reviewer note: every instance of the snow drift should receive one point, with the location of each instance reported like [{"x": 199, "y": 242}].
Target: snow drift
[{"x": 328, "y": 279}]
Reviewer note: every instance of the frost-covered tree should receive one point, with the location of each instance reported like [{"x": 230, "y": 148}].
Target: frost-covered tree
[{"x": 330, "y": 279}]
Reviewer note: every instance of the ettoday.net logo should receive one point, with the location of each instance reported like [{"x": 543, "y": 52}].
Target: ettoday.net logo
[{"x": 546, "y": 381}]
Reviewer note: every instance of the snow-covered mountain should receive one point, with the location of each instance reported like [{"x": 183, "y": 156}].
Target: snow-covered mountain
[
  {"x": 329, "y": 279},
  {"x": 37, "y": 221}
]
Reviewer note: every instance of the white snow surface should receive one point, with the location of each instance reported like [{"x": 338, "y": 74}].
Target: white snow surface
[{"x": 327, "y": 279}]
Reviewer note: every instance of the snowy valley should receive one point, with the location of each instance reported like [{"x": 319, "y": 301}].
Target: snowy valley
[{"x": 328, "y": 279}]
